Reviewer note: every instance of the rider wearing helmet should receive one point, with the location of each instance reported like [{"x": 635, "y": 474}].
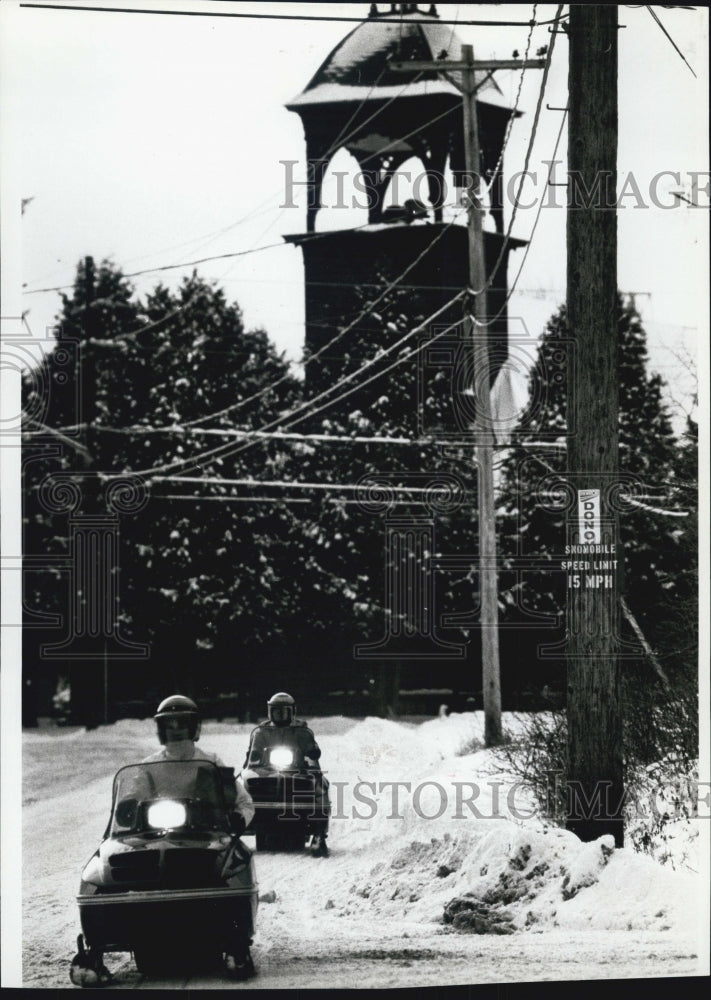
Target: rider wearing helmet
[
  {"x": 178, "y": 724},
  {"x": 281, "y": 712}
]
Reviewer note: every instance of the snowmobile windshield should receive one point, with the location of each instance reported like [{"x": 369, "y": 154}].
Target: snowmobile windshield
[{"x": 161, "y": 796}]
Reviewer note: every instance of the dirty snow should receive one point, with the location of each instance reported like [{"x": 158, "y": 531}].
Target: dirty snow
[{"x": 421, "y": 817}]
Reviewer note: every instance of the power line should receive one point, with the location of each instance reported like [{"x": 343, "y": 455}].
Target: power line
[
  {"x": 280, "y": 243},
  {"x": 676, "y": 47},
  {"x": 655, "y": 510},
  {"x": 509, "y": 124},
  {"x": 210, "y": 237},
  {"x": 294, "y": 418},
  {"x": 367, "y": 310},
  {"x": 287, "y": 484},
  {"x": 272, "y": 17},
  {"x": 343, "y": 137},
  {"x": 44, "y": 429},
  {"x": 409, "y": 135},
  {"x": 199, "y": 499},
  {"x": 173, "y": 267},
  {"x": 291, "y": 484},
  {"x": 534, "y": 129},
  {"x": 533, "y": 231},
  {"x": 267, "y": 246},
  {"x": 274, "y": 500},
  {"x": 223, "y": 450},
  {"x": 341, "y": 333},
  {"x": 205, "y": 239},
  {"x": 139, "y": 430},
  {"x": 193, "y": 263},
  {"x": 263, "y": 435}
]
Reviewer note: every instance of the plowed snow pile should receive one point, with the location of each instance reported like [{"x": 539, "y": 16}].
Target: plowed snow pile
[
  {"x": 428, "y": 838},
  {"x": 455, "y": 829}
]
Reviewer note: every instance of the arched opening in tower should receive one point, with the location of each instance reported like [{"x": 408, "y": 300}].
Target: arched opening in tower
[
  {"x": 409, "y": 192},
  {"x": 344, "y": 203}
]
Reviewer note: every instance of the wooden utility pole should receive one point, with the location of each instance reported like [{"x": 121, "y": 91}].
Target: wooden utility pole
[
  {"x": 478, "y": 333},
  {"x": 91, "y": 491},
  {"x": 595, "y": 786}
]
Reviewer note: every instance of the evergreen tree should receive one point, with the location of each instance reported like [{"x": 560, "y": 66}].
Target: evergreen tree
[
  {"x": 390, "y": 399},
  {"x": 655, "y": 568},
  {"x": 143, "y": 371}
]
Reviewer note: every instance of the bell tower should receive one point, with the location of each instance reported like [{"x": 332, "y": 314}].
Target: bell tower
[{"x": 357, "y": 102}]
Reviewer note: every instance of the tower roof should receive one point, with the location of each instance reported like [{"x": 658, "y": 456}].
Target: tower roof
[{"x": 357, "y": 69}]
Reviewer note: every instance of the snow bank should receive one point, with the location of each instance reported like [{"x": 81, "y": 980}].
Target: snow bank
[
  {"x": 423, "y": 826},
  {"x": 422, "y": 816}
]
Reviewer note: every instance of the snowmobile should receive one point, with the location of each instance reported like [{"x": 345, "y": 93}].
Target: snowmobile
[
  {"x": 171, "y": 878},
  {"x": 289, "y": 792}
]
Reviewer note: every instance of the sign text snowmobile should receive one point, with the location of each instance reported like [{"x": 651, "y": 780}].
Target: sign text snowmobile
[{"x": 171, "y": 879}]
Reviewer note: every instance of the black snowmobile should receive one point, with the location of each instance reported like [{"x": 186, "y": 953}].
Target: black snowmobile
[
  {"x": 289, "y": 791},
  {"x": 171, "y": 881}
]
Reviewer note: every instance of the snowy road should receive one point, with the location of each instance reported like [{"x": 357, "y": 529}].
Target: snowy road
[{"x": 370, "y": 915}]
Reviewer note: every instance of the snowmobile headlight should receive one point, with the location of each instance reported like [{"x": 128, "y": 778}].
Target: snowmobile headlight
[
  {"x": 281, "y": 757},
  {"x": 166, "y": 815}
]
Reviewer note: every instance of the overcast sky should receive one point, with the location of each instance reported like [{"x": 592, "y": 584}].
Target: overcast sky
[{"x": 148, "y": 139}]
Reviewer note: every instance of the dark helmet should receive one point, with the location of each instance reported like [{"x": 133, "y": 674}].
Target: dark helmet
[
  {"x": 281, "y": 708},
  {"x": 180, "y": 707}
]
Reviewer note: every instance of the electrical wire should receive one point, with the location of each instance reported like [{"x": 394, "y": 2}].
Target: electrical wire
[
  {"x": 288, "y": 484},
  {"x": 210, "y": 237},
  {"x": 268, "y": 246},
  {"x": 654, "y": 510},
  {"x": 376, "y": 375},
  {"x": 251, "y": 250},
  {"x": 514, "y": 283},
  {"x": 368, "y": 308},
  {"x": 340, "y": 142},
  {"x": 295, "y": 417},
  {"x": 204, "y": 240},
  {"x": 676, "y": 47},
  {"x": 268, "y": 17},
  {"x": 454, "y": 28},
  {"x": 343, "y": 137},
  {"x": 534, "y": 129},
  {"x": 224, "y": 450},
  {"x": 509, "y": 124},
  {"x": 44, "y": 429},
  {"x": 199, "y": 499},
  {"x": 275, "y": 500},
  {"x": 266, "y": 436},
  {"x": 170, "y": 267},
  {"x": 420, "y": 128},
  {"x": 366, "y": 311}
]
